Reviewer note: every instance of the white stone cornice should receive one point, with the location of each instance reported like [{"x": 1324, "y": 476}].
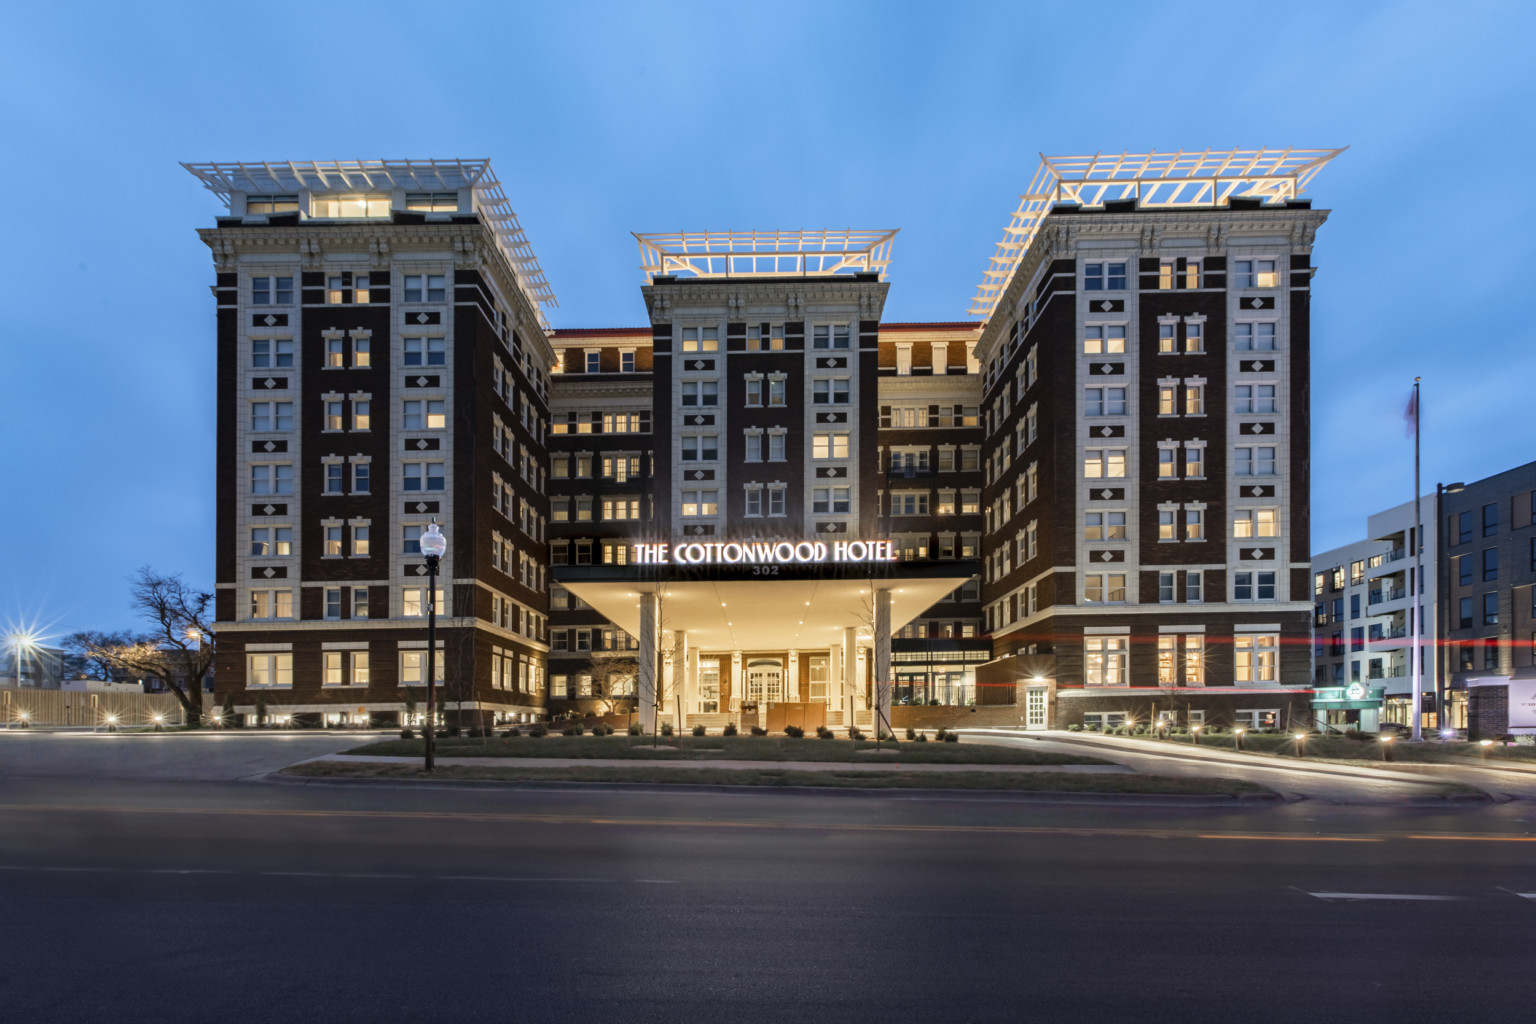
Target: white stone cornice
[{"x": 1148, "y": 231}]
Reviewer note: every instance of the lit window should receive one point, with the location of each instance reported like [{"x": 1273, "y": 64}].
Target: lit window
[
  {"x": 268, "y": 670},
  {"x": 1166, "y": 401},
  {"x": 1105, "y": 660},
  {"x": 414, "y": 602},
  {"x": 1194, "y": 336},
  {"x": 413, "y": 668},
  {"x": 765, "y": 338},
  {"x": 271, "y": 604},
  {"x": 829, "y": 446},
  {"x": 1256, "y": 657},
  {"x": 335, "y": 416},
  {"x": 335, "y": 353},
  {"x": 351, "y": 207},
  {"x": 1167, "y": 338},
  {"x": 701, "y": 503},
  {"x": 426, "y": 414},
  {"x": 701, "y": 339},
  {"x": 1259, "y": 522},
  {"x": 1194, "y": 462},
  {"x": 359, "y": 542},
  {"x": 333, "y": 542},
  {"x": 1099, "y": 463},
  {"x": 1108, "y": 340},
  {"x": 1256, "y": 274},
  {"x": 269, "y": 541},
  {"x": 362, "y": 353},
  {"x": 1194, "y": 399},
  {"x": 1099, "y": 526},
  {"x": 271, "y": 204},
  {"x": 1106, "y": 588},
  {"x": 754, "y": 391},
  {"x": 1194, "y": 524},
  {"x": 1165, "y": 524}
]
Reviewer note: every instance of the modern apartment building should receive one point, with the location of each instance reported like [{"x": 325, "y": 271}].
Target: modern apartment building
[
  {"x": 1086, "y": 504},
  {"x": 382, "y": 364},
  {"x": 1487, "y": 586},
  {"x": 1363, "y": 619}
]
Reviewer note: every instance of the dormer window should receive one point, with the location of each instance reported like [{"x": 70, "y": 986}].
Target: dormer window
[
  {"x": 271, "y": 204},
  {"x": 432, "y": 202},
  {"x": 350, "y": 207}
]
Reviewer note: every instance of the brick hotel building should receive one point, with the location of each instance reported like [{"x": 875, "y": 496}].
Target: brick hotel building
[{"x": 1095, "y": 492}]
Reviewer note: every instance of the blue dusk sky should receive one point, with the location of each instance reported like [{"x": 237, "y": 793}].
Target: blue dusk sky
[{"x": 602, "y": 119}]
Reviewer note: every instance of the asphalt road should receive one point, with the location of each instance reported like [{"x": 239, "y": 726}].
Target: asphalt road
[{"x": 169, "y": 901}]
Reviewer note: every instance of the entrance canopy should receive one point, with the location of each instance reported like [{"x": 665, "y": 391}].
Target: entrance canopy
[{"x": 762, "y": 614}]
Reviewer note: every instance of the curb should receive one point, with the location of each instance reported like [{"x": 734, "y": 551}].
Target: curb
[{"x": 907, "y": 793}]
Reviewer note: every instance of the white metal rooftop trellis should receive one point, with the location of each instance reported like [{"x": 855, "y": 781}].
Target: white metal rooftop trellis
[
  {"x": 278, "y": 177},
  {"x": 765, "y": 253},
  {"x": 1156, "y": 181}
]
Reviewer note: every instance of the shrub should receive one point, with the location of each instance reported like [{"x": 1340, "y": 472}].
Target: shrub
[
  {"x": 699, "y": 730},
  {"x": 634, "y": 728},
  {"x": 538, "y": 729},
  {"x": 922, "y": 737},
  {"x": 407, "y": 733},
  {"x": 854, "y": 734},
  {"x": 573, "y": 729},
  {"x": 941, "y": 735},
  {"x": 510, "y": 733},
  {"x": 758, "y": 730},
  {"x": 823, "y": 733},
  {"x": 911, "y": 733},
  {"x": 1356, "y": 735},
  {"x": 794, "y": 732},
  {"x": 1074, "y": 727},
  {"x": 886, "y": 736},
  {"x": 953, "y": 737},
  {"x": 455, "y": 731},
  {"x": 934, "y": 702},
  {"x": 730, "y": 729},
  {"x": 666, "y": 728}
]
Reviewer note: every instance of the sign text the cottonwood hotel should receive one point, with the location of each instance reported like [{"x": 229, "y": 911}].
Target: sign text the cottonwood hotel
[{"x": 765, "y": 552}]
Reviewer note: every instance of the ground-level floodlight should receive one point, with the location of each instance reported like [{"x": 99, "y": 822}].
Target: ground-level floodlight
[
  {"x": 1238, "y": 732},
  {"x": 25, "y": 718},
  {"x": 1386, "y": 748},
  {"x": 112, "y": 723},
  {"x": 159, "y": 721},
  {"x": 1194, "y": 734},
  {"x": 1301, "y": 744}
]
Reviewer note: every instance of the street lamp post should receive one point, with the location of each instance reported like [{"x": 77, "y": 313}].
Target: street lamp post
[{"x": 433, "y": 544}]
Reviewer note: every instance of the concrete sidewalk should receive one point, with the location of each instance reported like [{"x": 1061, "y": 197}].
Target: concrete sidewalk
[{"x": 795, "y": 766}]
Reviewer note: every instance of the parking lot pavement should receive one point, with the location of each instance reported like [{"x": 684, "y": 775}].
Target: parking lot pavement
[{"x": 210, "y": 755}]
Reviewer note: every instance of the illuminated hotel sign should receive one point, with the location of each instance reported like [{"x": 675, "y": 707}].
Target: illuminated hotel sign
[{"x": 765, "y": 553}]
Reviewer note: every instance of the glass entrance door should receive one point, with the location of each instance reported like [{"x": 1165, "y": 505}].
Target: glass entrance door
[
  {"x": 765, "y": 681},
  {"x": 1035, "y": 716}
]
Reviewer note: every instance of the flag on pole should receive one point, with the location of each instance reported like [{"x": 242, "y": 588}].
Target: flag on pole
[{"x": 1411, "y": 414}]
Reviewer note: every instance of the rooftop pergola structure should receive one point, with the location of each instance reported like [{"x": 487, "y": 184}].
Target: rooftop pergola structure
[
  {"x": 333, "y": 176},
  {"x": 1200, "y": 178},
  {"x": 745, "y": 254}
]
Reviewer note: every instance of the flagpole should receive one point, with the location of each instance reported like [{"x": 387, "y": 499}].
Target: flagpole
[{"x": 1414, "y": 614}]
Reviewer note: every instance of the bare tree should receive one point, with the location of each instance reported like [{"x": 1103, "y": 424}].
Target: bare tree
[
  {"x": 459, "y": 668},
  {"x": 83, "y": 652},
  {"x": 178, "y": 646},
  {"x": 608, "y": 665}
]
